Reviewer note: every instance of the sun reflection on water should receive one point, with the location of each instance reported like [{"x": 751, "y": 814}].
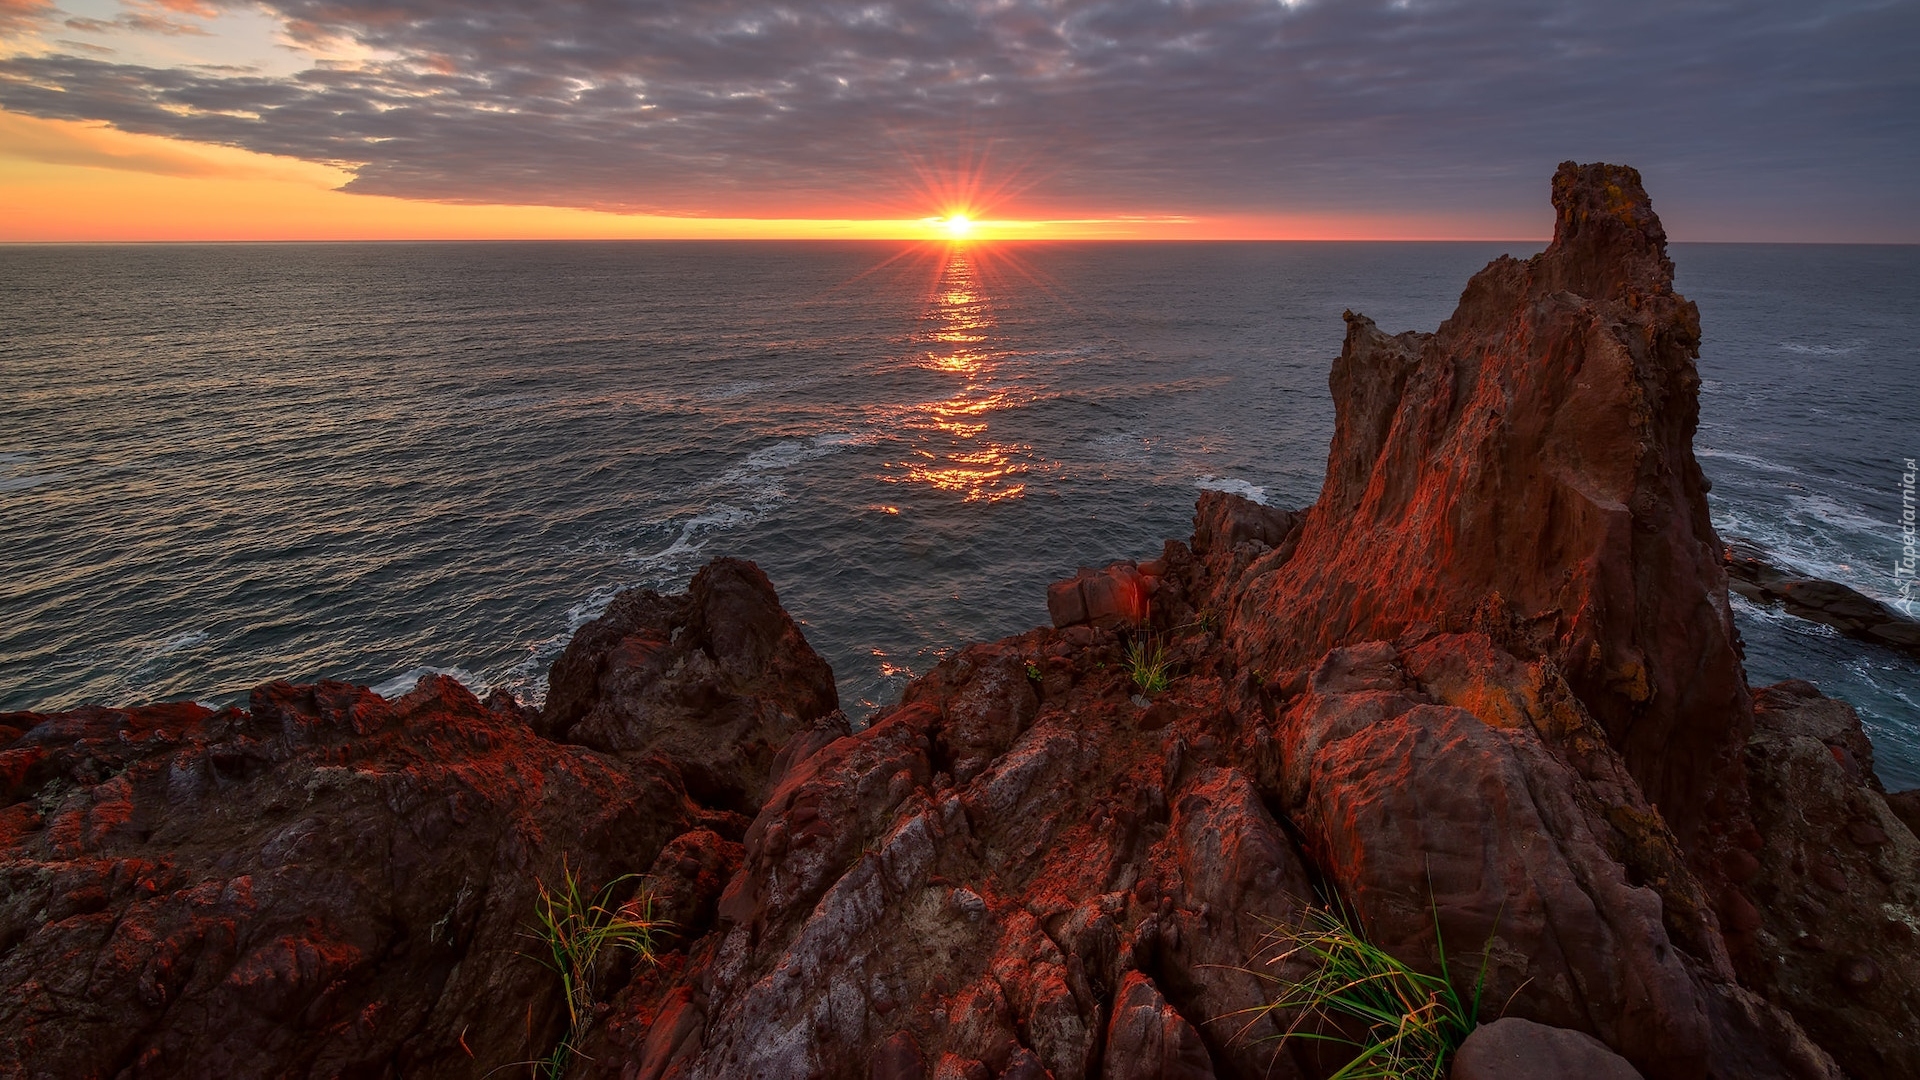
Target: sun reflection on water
[{"x": 951, "y": 450}]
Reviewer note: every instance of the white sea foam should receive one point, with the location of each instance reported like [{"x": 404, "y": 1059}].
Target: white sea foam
[
  {"x": 140, "y": 673},
  {"x": 22, "y": 477},
  {"x": 1233, "y": 486},
  {"x": 594, "y": 606},
  {"x": 1820, "y": 349},
  {"x": 744, "y": 494},
  {"x": 1805, "y": 545},
  {"x": 731, "y": 391},
  {"x": 790, "y": 452},
  {"x": 1120, "y": 447},
  {"x": 1824, "y": 508},
  {"x": 181, "y": 641},
  {"x": 1747, "y": 460},
  {"x": 523, "y": 679},
  {"x": 738, "y": 498},
  {"x": 1773, "y": 613},
  {"x": 694, "y": 532},
  {"x": 407, "y": 680},
  {"x": 1875, "y": 675}
]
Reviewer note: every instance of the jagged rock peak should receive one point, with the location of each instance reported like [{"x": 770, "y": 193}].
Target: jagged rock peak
[
  {"x": 1606, "y": 237},
  {"x": 1527, "y": 471}
]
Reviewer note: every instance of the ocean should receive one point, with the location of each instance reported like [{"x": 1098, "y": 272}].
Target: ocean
[{"x": 224, "y": 464}]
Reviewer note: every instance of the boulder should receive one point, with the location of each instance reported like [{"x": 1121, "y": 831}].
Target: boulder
[
  {"x": 1148, "y": 1040},
  {"x": 1906, "y": 806},
  {"x": 1120, "y": 595},
  {"x": 1516, "y": 1049},
  {"x": 717, "y": 680},
  {"x": 324, "y": 882},
  {"x": 1223, "y": 521},
  {"x": 1424, "y": 783}
]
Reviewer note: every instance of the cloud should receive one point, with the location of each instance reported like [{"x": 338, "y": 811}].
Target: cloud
[
  {"x": 197, "y": 8},
  {"x": 20, "y": 16},
  {"x": 138, "y": 22},
  {"x": 731, "y": 107},
  {"x": 95, "y": 147}
]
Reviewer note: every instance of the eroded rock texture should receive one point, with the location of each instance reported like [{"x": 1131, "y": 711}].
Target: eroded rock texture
[
  {"x": 329, "y": 884},
  {"x": 1528, "y": 470},
  {"x": 1485, "y": 694},
  {"x": 1838, "y": 884}
]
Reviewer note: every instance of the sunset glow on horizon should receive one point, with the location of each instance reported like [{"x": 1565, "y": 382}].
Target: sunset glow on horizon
[
  {"x": 67, "y": 181},
  {"x": 208, "y": 120}
]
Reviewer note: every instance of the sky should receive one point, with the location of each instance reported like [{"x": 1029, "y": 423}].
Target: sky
[{"x": 1751, "y": 120}]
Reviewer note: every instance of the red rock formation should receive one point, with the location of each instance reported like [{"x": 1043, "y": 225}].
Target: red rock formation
[
  {"x": 1120, "y": 595},
  {"x": 1528, "y": 471},
  {"x": 1028, "y": 869},
  {"x": 716, "y": 679},
  {"x": 1017, "y": 874},
  {"x": 327, "y": 883},
  {"x": 1837, "y": 883}
]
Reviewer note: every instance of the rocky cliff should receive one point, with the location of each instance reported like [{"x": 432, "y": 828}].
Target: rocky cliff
[
  {"x": 1528, "y": 471},
  {"x": 1484, "y": 692}
]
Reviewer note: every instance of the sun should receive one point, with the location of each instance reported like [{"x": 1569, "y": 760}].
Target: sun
[{"x": 959, "y": 226}]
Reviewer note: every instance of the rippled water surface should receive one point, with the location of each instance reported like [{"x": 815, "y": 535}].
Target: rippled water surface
[{"x": 223, "y": 464}]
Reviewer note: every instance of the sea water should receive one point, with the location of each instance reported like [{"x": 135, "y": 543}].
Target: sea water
[{"x": 225, "y": 464}]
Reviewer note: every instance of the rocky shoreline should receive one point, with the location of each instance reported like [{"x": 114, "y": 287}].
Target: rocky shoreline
[
  {"x": 1485, "y": 692},
  {"x": 1752, "y": 573}
]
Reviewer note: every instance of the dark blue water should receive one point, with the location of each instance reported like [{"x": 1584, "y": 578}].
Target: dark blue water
[
  {"x": 1807, "y": 414},
  {"x": 224, "y": 464}
]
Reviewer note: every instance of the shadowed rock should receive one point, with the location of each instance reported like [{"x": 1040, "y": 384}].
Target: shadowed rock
[
  {"x": 716, "y": 680},
  {"x": 1837, "y": 883},
  {"x": 1515, "y": 1049}
]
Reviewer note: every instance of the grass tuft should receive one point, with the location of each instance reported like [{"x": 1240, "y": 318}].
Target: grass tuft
[
  {"x": 578, "y": 929},
  {"x": 1148, "y": 665},
  {"x": 1402, "y": 1023}
]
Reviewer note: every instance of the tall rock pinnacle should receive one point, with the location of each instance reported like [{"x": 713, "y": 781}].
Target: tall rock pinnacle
[{"x": 1528, "y": 471}]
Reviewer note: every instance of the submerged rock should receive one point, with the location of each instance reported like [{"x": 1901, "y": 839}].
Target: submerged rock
[{"x": 1752, "y": 574}]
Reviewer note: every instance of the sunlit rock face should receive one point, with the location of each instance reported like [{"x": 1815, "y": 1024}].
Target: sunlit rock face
[
  {"x": 327, "y": 883},
  {"x": 1527, "y": 471},
  {"x": 1484, "y": 694}
]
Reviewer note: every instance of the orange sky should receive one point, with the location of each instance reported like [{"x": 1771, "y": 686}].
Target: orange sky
[
  {"x": 1128, "y": 119},
  {"x": 68, "y": 181}
]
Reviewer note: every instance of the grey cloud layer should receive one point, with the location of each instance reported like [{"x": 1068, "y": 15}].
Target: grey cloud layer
[{"x": 1111, "y": 106}]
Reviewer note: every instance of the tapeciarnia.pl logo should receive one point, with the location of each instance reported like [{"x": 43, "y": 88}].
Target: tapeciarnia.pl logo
[{"x": 1903, "y": 569}]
